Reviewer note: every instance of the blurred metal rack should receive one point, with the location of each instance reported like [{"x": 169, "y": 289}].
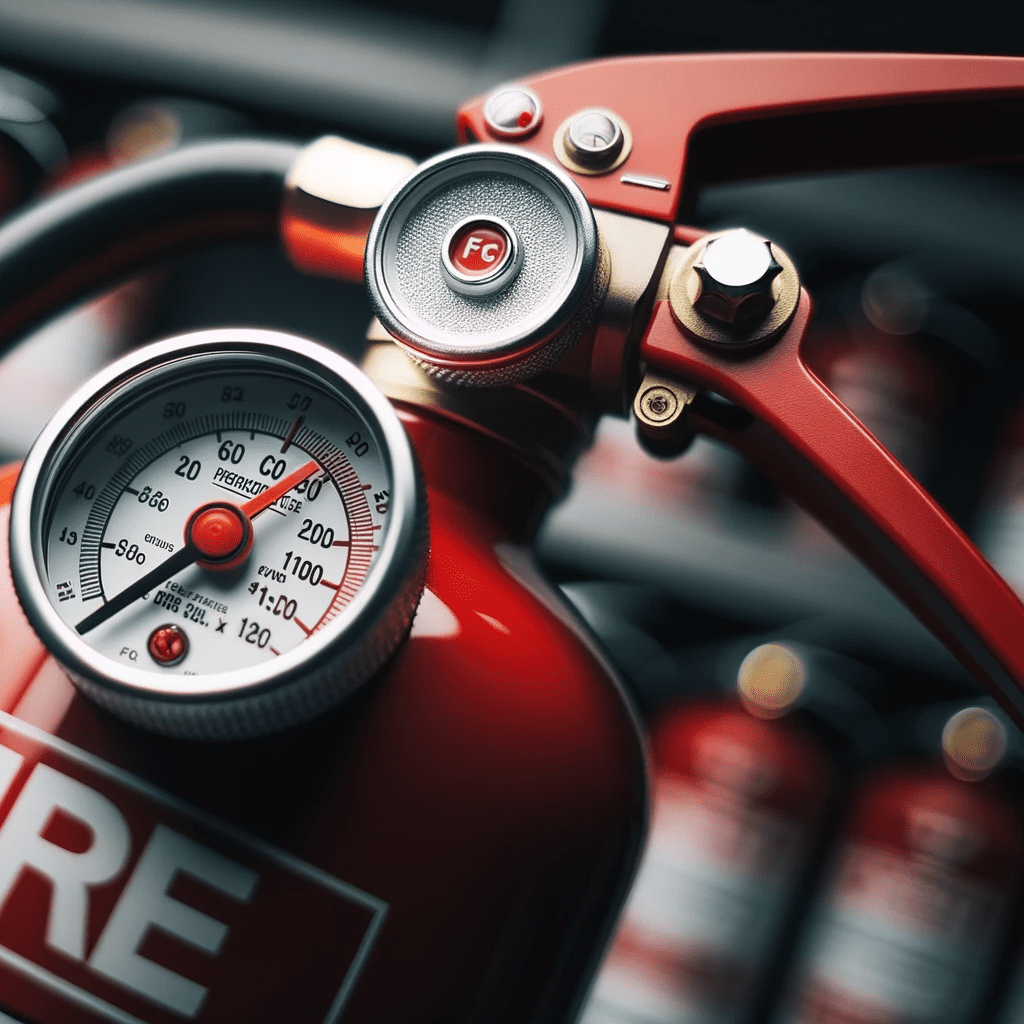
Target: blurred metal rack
[
  {"x": 364, "y": 68},
  {"x": 739, "y": 563}
]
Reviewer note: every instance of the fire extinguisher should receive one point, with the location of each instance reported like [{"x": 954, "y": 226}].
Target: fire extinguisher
[
  {"x": 926, "y": 870},
  {"x": 453, "y": 841},
  {"x": 238, "y": 839},
  {"x": 740, "y": 792}
]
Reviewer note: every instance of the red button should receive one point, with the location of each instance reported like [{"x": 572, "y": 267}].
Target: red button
[
  {"x": 479, "y": 249},
  {"x": 167, "y": 645},
  {"x": 217, "y": 532}
]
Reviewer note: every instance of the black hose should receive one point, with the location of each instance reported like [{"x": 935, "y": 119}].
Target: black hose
[{"x": 77, "y": 242}]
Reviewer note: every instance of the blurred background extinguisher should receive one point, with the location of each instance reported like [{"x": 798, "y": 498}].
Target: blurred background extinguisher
[
  {"x": 924, "y": 876},
  {"x": 741, "y": 788}
]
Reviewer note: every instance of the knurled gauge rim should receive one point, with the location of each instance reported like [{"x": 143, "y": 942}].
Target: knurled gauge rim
[
  {"x": 519, "y": 351},
  {"x": 303, "y": 681}
]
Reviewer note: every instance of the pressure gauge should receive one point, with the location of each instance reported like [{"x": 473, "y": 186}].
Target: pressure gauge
[{"x": 222, "y": 535}]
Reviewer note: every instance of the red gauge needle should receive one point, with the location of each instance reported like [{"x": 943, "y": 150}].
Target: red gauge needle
[
  {"x": 255, "y": 506},
  {"x": 217, "y": 532}
]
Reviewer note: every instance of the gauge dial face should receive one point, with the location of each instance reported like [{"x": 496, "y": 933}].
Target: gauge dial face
[{"x": 212, "y": 435}]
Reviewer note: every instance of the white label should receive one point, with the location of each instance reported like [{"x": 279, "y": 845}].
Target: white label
[
  {"x": 145, "y": 902},
  {"x": 715, "y": 872},
  {"x": 71, "y": 875},
  {"x": 708, "y": 902},
  {"x": 137, "y": 908}
]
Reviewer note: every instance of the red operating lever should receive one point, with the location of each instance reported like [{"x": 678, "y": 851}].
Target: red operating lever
[
  {"x": 701, "y": 119},
  {"x": 800, "y": 434},
  {"x": 717, "y": 117}
]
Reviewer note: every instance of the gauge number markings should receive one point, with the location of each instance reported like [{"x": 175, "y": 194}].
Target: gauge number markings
[
  {"x": 312, "y": 532},
  {"x": 120, "y": 493}
]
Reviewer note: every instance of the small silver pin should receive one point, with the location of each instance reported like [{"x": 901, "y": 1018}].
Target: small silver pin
[{"x": 646, "y": 181}]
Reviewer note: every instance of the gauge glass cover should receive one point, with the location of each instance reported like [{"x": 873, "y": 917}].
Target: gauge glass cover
[{"x": 202, "y": 427}]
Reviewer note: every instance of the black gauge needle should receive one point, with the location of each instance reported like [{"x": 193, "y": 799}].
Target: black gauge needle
[
  {"x": 191, "y": 552},
  {"x": 181, "y": 559}
]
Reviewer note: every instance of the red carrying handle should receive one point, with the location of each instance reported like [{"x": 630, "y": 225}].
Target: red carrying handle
[
  {"x": 701, "y": 119},
  {"x": 803, "y": 437}
]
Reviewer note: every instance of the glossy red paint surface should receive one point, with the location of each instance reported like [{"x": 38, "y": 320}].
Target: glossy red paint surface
[
  {"x": 488, "y": 786},
  {"x": 823, "y": 456},
  {"x": 880, "y": 109}
]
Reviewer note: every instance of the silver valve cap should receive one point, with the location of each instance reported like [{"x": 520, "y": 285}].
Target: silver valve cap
[{"x": 485, "y": 265}]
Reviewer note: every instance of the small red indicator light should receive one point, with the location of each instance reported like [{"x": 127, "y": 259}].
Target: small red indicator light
[{"x": 167, "y": 645}]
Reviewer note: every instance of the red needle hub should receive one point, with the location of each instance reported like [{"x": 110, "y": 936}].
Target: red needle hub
[
  {"x": 221, "y": 534},
  {"x": 217, "y": 532}
]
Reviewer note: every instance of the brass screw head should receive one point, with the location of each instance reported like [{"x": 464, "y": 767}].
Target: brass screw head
[
  {"x": 660, "y": 410},
  {"x": 736, "y": 274},
  {"x": 659, "y": 404}
]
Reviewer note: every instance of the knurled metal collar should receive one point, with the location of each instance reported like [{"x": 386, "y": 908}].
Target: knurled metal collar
[
  {"x": 685, "y": 287},
  {"x": 485, "y": 336}
]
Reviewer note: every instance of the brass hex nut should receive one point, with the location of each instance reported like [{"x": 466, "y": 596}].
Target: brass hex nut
[{"x": 734, "y": 316}]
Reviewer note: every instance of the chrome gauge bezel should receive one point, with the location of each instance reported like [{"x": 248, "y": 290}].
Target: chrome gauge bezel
[{"x": 302, "y": 681}]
